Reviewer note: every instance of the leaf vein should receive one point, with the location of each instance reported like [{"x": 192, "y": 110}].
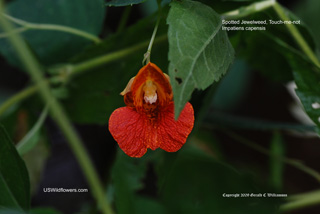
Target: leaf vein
[{"x": 190, "y": 73}]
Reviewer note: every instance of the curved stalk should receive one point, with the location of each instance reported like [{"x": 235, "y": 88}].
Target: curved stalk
[{"x": 35, "y": 26}]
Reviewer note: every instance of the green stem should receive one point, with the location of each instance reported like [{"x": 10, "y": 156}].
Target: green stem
[
  {"x": 248, "y": 10},
  {"x": 147, "y": 55},
  {"x": 58, "y": 114},
  {"x": 17, "y": 98},
  {"x": 296, "y": 35},
  {"x": 301, "y": 201},
  {"x": 66, "y": 29}
]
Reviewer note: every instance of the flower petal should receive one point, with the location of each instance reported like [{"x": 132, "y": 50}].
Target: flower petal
[
  {"x": 171, "y": 133},
  {"x": 128, "y": 128}
]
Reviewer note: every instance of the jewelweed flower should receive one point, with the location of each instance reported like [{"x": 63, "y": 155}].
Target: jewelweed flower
[{"x": 148, "y": 121}]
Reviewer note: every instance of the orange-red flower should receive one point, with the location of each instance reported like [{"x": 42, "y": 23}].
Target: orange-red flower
[{"x": 148, "y": 119}]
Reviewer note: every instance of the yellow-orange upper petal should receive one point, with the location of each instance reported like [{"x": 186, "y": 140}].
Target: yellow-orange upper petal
[{"x": 152, "y": 75}]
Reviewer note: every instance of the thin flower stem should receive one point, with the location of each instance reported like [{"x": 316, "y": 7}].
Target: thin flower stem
[
  {"x": 296, "y": 35},
  {"x": 29, "y": 25},
  {"x": 147, "y": 55},
  {"x": 58, "y": 114}
]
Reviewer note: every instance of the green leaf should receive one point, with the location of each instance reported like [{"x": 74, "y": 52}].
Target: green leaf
[
  {"x": 52, "y": 46},
  {"x": 145, "y": 205},
  {"x": 123, "y": 2},
  {"x": 199, "y": 51},
  {"x": 14, "y": 180},
  {"x": 196, "y": 183},
  {"x": 307, "y": 78}
]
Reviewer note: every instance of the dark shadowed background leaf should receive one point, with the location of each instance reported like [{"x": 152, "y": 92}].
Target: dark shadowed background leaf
[
  {"x": 52, "y": 46},
  {"x": 14, "y": 180},
  {"x": 193, "y": 182},
  {"x": 127, "y": 174},
  {"x": 233, "y": 87},
  {"x": 128, "y": 180},
  {"x": 146, "y": 205},
  {"x": 199, "y": 52}
]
